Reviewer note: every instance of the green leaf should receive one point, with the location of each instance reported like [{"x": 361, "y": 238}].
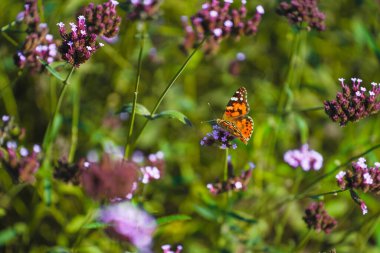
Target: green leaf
[
  {"x": 51, "y": 70},
  {"x": 172, "y": 114},
  {"x": 242, "y": 217},
  {"x": 95, "y": 225},
  {"x": 172, "y": 218},
  {"x": 10, "y": 233},
  {"x": 303, "y": 127},
  {"x": 140, "y": 109}
]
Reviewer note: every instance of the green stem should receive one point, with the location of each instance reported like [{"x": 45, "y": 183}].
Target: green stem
[
  {"x": 6, "y": 27},
  {"x": 9, "y": 38},
  {"x": 41, "y": 10},
  {"x": 74, "y": 122},
  {"x": 172, "y": 81},
  {"x": 303, "y": 242},
  {"x": 325, "y": 194},
  {"x": 226, "y": 165},
  {"x": 133, "y": 113}
]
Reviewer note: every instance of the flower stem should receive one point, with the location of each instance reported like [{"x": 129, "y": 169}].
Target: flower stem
[
  {"x": 74, "y": 122},
  {"x": 170, "y": 84},
  {"x": 225, "y": 178},
  {"x": 325, "y": 193},
  {"x": 137, "y": 84}
]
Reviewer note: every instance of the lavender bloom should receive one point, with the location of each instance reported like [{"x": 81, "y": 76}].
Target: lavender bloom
[
  {"x": 152, "y": 167},
  {"x": 168, "y": 249},
  {"x": 218, "y": 20},
  {"x": 220, "y": 137},
  {"x": 141, "y": 9},
  {"x": 233, "y": 183},
  {"x": 129, "y": 223},
  {"x": 304, "y": 157},
  {"x": 38, "y": 45},
  {"x": 303, "y": 12},
  {"x": 102, "y": 19},
  {"x": 108, "y": 179},
  {"x": 318, "y": 219},
  {"x": 30, "y": 15},
  {"x": 353, "y": 103},
  {"x": 360, "y": 177},
  {"x": 78, "y": 45}
]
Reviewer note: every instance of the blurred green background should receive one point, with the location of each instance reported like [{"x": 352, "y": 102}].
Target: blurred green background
[{"x": 348, "y": 48}]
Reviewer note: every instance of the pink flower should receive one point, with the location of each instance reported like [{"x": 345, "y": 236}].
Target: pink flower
[
  {"x": 304, "y": 157},
  {"x": 127, "y": 222}
]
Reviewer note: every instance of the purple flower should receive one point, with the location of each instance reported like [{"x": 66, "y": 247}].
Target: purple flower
[
  {"x": 168, "y": 249},
  {"x": 219, "y": 137},
  {"x": 129, "y": 223},
  {"x": 218, "y": 20},
  {"x": 102, "y": 19},
  {"x": 303, "y": 13},
  {"x": 141, "y": 9},
  {"x": 317, "y": 218},
  {"x": 364, "y": 208},
  {"x": 152, "y": 167},
  {"x": 353, "y": 103},
  {"x": 304, "y": 157},
  {"x": 233, "y": 183},
  {"x": 78, "y": 45},
  {"x": 360, "y": 177}
]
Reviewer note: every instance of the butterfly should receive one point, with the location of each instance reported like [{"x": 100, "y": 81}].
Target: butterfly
[{"x": 235, "y": 119}]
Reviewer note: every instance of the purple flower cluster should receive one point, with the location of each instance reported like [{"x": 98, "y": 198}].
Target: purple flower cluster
[
  {"x": 218, "y": 20},
  {"x": 354, "y": 102},
  {"x": 78, "y": 45},
  {"x": 108, "y": 179},
  {"x": 233, "y": 183},
  {"x": 129, "y": 223},
  {"x": 317, "y": 218},
  {"x": 360, "y": 177},
  {"x": 19, "y": 162},
  {"x": 38, "y": 44},
  {"x": 141, "y": 9},
  {"x": 102, "y": 19},
  {"x": 168, "y": 249},
  {"x": 304, "y": 157},
  {"x": 303, "y": 13},
  {"x": 219, "y": 137},
  {"x": 151, "y": 168}
]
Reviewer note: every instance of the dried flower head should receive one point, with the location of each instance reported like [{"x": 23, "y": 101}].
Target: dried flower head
[
  {"x": 39, "y": 45},
  {"x": 360, "y": 177},
  {"x": 141, "y": 9},
  {"x": 67, "y": 172},
  {"x": 78, "y": 45},
  {"x": 304, "y": 157},
  {"x": 220, "y": 137},
  {"x": 317, "y": 218},
  {"x": 130, "y": 224},
  {"x": 218, "y": 20},
  {"x": 102, "y": 19},
  {"x": 303, "y": 13},
  {"x": 353, "y": 103},
  {"x": 233, "y": 183},
  {"x": 109, "y": 178}
]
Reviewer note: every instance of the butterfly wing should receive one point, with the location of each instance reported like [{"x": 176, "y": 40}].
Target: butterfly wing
[
  {"x": 237, "y": 106},
  {"x": 235, "y": 119}
]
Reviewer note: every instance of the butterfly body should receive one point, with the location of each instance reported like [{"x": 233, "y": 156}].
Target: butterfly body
[{"x": 235, "y": 119}]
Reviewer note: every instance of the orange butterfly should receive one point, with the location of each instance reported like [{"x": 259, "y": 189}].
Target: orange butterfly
[{"x": 235, "y": 119}]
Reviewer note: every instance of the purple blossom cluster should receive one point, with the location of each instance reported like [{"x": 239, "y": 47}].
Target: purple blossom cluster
[
  {"x": 151, "y": 167},
  {"x": 18, "y": 161},
  {"x": 354, "y": 102},
  {"x": 39, "y": 44},
  {"x": 102, "y": 19},
  {"x": 218, "y": 20},
  {"x": 129, "y": 223},
  {"x": 141, "y": 9},
  {"x": 168, "y": 249},
  {"x": 233, "y": 183},
  {"x": 360, "y": 177},
  {"x": 78, "y": 45},
  {"x": 303, "y": 13},
  {"x": 108, "y": 179},
  {"x": 219, "y": 137},
  {"x": 304, "y": 157},
  {"x": 317, "y": 218}
]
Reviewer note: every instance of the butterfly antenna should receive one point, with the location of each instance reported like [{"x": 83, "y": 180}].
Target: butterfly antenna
[{"x": 213, "y": 114}]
